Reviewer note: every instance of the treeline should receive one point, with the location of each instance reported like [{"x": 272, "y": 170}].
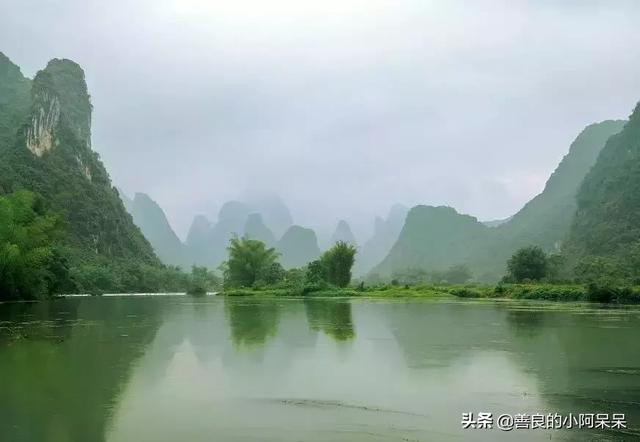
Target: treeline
[
  {"x": 457, "y": 274},
  {"x": 34, "y": 264},
  {"x": 253, "y": 265}
]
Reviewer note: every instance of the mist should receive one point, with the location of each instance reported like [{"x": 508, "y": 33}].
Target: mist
[{"x": 342, "y": 108}]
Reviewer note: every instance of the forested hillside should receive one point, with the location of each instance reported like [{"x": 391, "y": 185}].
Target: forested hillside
[
  {"x": 607, "y": 221},
  {"x": 434, "y": 239},
  {"x": 45, "y": 148}
]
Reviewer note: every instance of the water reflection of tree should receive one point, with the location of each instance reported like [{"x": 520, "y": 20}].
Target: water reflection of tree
[
  {"x": 331, "y": 316},
  {"x": 252, "y": 322},
  {"x": 526, "y": 321},
  {"x": 63, "y": 374}
]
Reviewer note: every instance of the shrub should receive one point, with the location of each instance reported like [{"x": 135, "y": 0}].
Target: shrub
[{"x": 527, "y": 264}]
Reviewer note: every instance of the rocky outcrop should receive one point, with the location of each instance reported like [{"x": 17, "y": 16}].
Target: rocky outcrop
[
  {"x": 44, "y": 119},
  {"x": 51, "y": 155}
]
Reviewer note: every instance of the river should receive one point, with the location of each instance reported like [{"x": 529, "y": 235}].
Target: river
[{"x": 176, "y": 368}]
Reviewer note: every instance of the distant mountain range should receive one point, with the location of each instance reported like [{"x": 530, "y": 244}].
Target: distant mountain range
[
  {"x": 385, "y": 234},
  {"x": 343, "y": 233},
  {"x": 153, "y": 223},
  {"x": 425, "y": 237},
  {"x": 588, "y": 208},
  {"x": 207, "y": 242}
]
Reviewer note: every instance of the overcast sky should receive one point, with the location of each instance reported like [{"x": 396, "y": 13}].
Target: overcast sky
[{"x": 343, "y": 107}]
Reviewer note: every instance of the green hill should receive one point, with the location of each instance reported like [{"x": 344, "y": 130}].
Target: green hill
[
  {"x": 607, "y": 221},
  {"x": 45, "y": 147},
  {"x": 15, "y": 101},
  {"x": 434, "y": 238},
  {"x": 385, "y": 234}
]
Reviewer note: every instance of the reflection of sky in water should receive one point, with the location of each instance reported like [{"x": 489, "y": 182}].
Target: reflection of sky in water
[
  {"x": 405, "y": 374},
  {"x": 287, "y": 370}
]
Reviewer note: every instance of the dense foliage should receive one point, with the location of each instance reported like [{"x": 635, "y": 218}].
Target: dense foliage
[
  {"x": 14, "y": 100},
  {"x": 96, "y": 247},
  {"x": 250, "y": 262},
  {"x": 334, "y": 267},
  {"x": 527, "y": 264},
  {"x": 28, "y": 264},
  {"x": 456, "y": 274},
  {"x": 202, "y": 281},
  {"x": 604, "y": 242}
]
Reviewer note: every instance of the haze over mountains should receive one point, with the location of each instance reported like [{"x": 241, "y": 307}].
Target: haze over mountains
[
  {"x": 589, "y": 206},
  {"x": 432, "y": 238},
  {"x": 207, "y": 241}
]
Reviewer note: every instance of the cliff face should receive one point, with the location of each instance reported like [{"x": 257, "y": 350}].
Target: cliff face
[{"x": 52, "y": 156}]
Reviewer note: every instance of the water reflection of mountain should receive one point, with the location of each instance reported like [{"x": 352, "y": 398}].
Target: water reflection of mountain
[
  {"x": 65, "y": 364},
  {"x": 586, "y": 361},
  {"x": 115, "y": 368},
  {"x": 581, "y": 360}
]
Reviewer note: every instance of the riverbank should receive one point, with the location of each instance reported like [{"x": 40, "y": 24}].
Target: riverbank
[{"x": 542, "y": 292}]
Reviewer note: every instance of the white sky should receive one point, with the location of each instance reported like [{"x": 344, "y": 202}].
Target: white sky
[{"x": 343, "y": 107}]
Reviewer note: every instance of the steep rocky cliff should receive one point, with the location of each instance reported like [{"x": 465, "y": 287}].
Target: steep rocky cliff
[{"x": 51, "y": 154}]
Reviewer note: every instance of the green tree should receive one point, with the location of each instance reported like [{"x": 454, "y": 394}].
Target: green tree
[
  {"x": 457, "y": 274},
  {"x": 249, "y": 261},
  {"x": 415, "y": 276},
  {"x": 201, "y": 281},
  {"x": 272, "y": 274},
  {"x": 527, "y": 264},
  {"x": 338, "y": 262},
  {"x": 27, "y": 233}
]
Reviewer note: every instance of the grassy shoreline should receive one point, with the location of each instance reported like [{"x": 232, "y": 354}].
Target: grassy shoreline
[{"x": 541, "y": 292}]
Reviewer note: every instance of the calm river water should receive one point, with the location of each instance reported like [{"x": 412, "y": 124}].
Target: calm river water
[{"x": 175, "y": 368}]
